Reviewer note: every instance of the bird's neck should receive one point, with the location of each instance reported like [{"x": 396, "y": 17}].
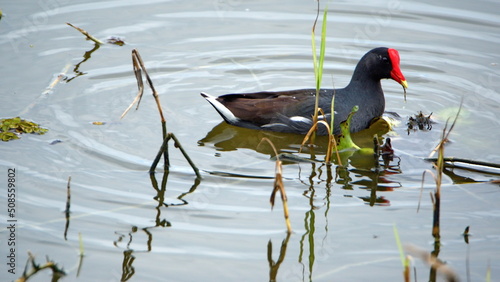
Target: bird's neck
[
  {"x": 365, "y": 85},
  {"x": 365, "y": 89},
  {"x": 362, "y": 78}
]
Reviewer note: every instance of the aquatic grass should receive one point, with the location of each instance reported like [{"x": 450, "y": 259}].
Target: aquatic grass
[
  {"x": 345, "y": 141},
  {"x": 405, "y": 260},
  {"x": 432, "y": 258},
  {"x": 318, "y": 64},
  {"x": 318, "y": 75},
  {"x": 81, "y": 249},
  {"x": 310, "y": 135},
  {"x": 139, "y": 67},
  {"x": 488, "y": 273},
  {"x": 81, "y": 254},
  {"x": 438, "y": 177},
  {"x": 278, "y": 185}
]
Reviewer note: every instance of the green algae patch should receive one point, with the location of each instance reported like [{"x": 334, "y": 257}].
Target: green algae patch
[{"x": 12, "y": 128}]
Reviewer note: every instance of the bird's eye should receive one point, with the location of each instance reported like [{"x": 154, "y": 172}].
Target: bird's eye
[{"x": 385, "y": 59}]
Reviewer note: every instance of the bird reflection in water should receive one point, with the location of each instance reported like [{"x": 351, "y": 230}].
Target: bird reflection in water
[{"x": 361, "y": 171}]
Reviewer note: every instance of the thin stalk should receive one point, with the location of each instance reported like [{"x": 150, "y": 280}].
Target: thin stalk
[
  {"x": 68, "y": 206},
  {"x": 163, "y": 149},
  {"x": 150, "y": 82},
  {"x": 178, "y": 145},
  {"x": 404, "y": 259},
  {"x": 332, "y": 113},
  {"x": 90, "y": 37},
  {"x": 318, "y": 64},
  {"x": 139, "y": 67},
  {"x": 80, "y": 243},
  {"x": 82, "y": 254}
]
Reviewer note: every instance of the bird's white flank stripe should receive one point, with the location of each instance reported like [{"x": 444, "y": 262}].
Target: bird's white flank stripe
[{"x": 301, "y": 119}]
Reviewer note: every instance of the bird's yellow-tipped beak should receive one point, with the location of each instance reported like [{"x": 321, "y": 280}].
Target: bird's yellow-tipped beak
[{"x": 404, "y": 84}]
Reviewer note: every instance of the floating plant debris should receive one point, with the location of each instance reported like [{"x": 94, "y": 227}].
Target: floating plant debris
[
  {"x": 11, "y": 128},
  {"x": 84, "y": 32},
  {"x": 116, "y": 41},
  {"x": 419, "y": 122},
  {"x": 57, "y": 141}
]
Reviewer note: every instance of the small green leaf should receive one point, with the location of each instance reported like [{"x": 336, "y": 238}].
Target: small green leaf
[
  {"x": 7, "y": 136},
  {"x": 345, "y": 140},
  {"x": 26, "y": 129}
]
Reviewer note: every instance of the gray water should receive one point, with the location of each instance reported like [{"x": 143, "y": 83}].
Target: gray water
[{"x": 222, "y": 228}]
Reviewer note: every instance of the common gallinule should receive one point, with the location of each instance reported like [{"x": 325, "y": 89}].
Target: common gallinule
[{"x": 292, "y": 111}]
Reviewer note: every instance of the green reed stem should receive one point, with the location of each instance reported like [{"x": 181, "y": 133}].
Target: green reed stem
[{"x": 318, "y": 64}]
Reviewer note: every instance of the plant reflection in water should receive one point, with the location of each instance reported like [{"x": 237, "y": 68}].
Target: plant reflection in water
[
  {"x": 161, "y": 222},
  {"x": 363, "y": 169}
]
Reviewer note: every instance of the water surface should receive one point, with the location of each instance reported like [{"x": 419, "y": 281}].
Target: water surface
[{"x": 222, "y": 227}]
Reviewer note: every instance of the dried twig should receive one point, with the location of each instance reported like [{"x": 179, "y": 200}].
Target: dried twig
[
  {"x": 279, "y": 186},
  {"x": 66, "y": 211},
  {"x": 177, "y": 145},
  {"x": 138, "y": 65},
  {"x": 90, "y": 37}
]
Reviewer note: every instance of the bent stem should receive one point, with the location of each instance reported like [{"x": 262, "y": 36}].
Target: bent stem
[
  {"x": 84, "y": 32},
  {"x": 138, "y": 66},
  {"x": 178, "y": 145},
  {"x": 279, "y": 186},
  {"x": 436, "y": 197}
]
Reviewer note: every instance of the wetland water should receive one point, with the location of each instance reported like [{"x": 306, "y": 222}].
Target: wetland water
[{"x": 222, "y": 228}]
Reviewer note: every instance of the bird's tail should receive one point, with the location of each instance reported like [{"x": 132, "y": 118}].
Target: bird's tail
[{"x": 225, "y": 113}]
